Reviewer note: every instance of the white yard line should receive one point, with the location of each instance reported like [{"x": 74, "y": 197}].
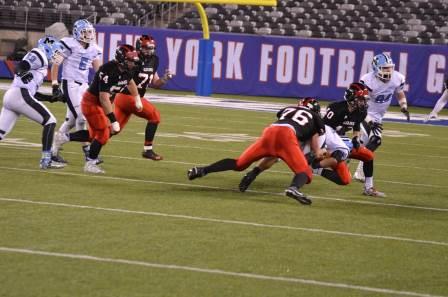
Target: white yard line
[
  {"x": 193, "y": 185},
  {"x": 14, "y": 146},
  {"x": 216, "y": 272},
  {"x": 234, "y": 222}
]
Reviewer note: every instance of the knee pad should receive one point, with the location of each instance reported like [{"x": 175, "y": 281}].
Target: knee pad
[
  {"x": 102, "y": 136},
  {"x": 374, "y": 143},
  {"x": 339, "y": 155},
  {"x": 80, "y": 124},
  {"x": 155, "y": 117},
  {"x": 50, "y": 119}
]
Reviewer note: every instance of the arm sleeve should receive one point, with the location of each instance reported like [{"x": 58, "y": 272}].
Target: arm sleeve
[{"x": 43, "y": 97}]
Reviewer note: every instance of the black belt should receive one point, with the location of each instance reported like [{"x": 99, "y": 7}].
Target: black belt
[{"x": 76, "y": 82}]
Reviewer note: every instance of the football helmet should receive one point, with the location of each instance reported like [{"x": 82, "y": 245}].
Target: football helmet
[
  {"x": 146, "y": 46},
  {"x": 310, "y": 103},
  {"x": 383, "y": 66},
  {"x": 356, "y": 96},
  {"x": 51, "y": 47},
  {"x": 126, "y": 56},
  {"x": 83, "y": 31}
]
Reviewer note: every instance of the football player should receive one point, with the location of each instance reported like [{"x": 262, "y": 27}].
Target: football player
[
  {"x": 96, "y": 105},
  {"x": 282, "y": 139},
  {"x": 340, "y": 117},
  {"x": 443, "y": 100},
  {"x": 383, "y": 83},
  {"x": 80, "y": 54},
  {"x": 22, "y": 97},
  {"x": 145, "y": 76}
]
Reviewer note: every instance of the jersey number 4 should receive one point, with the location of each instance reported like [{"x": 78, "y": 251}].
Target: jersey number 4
[{"x": 301, "y": 117}]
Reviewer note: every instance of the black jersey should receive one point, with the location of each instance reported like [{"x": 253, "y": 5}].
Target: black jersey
[
  {"x": 340, "y": 119},
  {"x": 306, "y": 123},
  {"x": 109, "y": 79},
  {"x": 144, "y": 74}
]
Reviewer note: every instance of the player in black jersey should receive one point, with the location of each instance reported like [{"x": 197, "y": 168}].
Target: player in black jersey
[
  {"x": 340, "y": 117},
  {"x": 145, "y": 76},
  {"x": 282, "y": 139},
  {"x": 96, "y": 105}
]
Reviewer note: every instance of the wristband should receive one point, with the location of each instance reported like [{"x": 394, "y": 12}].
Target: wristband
[{"x": 111, "y": 117}]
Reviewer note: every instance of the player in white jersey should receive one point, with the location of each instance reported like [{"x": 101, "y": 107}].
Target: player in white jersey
[
  {"x": 22, "y": 97},
  {"x": 80, "y": 54},
  {"x": 441, "y": 102},
  {"x": 383, "y": 83}
]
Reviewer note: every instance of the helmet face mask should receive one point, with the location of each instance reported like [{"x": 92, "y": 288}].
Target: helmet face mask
[
  {"x": 383, "y": 66},
  {"x": 356, "y": 96},
  {"x": 146, "y": 46},
  {"x": 83, "y": 31},
  {"x": 126, "y": 56},
  {"x": 52, "y": 49}
]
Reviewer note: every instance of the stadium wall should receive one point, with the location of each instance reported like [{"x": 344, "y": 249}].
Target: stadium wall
[{"x": 282, "y": 66}]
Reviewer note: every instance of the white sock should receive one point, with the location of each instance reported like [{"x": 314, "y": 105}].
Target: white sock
[
  {"x": 443, "y": 100},
  {"x": 359, "y": 169},
  {"x": 369, "y": 182},
  {"x": 147, "y": 147}
]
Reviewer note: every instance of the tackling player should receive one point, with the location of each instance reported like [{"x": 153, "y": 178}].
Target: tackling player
[
  {"x": 340, "y": 117},
  {"x": 383, "y": 83},
  {"x": 96, "y": 105},
  {"x": 282, "y": 139},
  {"x": 22, "y": 97},
  {"x": 145, "y": 76},
  {"x": 80, "y": 54}
]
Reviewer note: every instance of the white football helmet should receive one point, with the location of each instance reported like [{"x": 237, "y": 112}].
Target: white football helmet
[
  {"x": 83, "y": 31},
  {"x": 383, "y": 66}
]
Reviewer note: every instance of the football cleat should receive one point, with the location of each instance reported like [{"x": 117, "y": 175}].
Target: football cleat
[
  {"x": 92, "y": 167},
  {"x": 150, "y": 154},
  {"x": 247, "y": 180},
  {"x": 59, "y": 139},
  {"x": 295, "y": 194},
  {"x": 373, "y": 192},
  {"x": 430, "y": 117},
  {"x": 195, "y": 172},
  {"x": 47, "y": 163},
  {"x": 58, "y": 158},
  {"x": 359, "y": 177}
]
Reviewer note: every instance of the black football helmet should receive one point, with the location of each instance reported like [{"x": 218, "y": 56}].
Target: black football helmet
[
  {"x": 310, "y": 103},
  {"x": 126, "y": 56},
  {"x": 146, "y": 46},
  {"x": 356, "y": 96}
]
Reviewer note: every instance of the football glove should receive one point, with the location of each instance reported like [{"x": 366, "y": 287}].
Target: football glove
[
  {"x": 405, "y": 111},
  {"x": 115, "y": 127},
  {"x": 356, "y": 142},
  {"x": 376, "y": 128},
  {"x": 57, "y": 94}
]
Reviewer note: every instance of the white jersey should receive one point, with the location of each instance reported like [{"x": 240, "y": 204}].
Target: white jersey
[
  {"x": 78, "y": 60},
  {"x": 39, "y": 69},
  {"x": 381, "y": 93}
]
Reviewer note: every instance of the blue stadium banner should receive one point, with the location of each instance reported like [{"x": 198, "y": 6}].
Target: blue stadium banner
[{"x": 285, "y": 66}]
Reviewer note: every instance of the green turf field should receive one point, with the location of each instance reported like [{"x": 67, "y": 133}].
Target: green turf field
[{"x": 143, "y": 229}]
